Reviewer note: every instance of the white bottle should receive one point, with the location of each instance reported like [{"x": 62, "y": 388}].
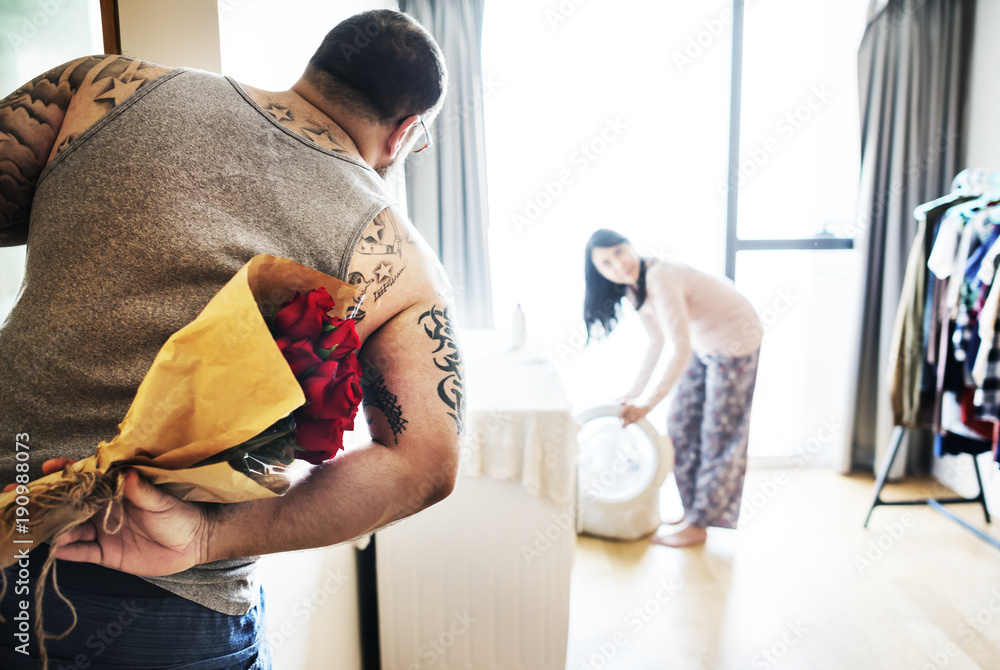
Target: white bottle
[{"x": 517, "y": 328}]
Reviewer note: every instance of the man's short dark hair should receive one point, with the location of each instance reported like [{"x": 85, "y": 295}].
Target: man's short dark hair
[{"x": 381, "y": 65}]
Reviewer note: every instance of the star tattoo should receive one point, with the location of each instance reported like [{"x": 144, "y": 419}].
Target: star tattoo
[
  {"x": 383, "y": 271},
  {"x": 279, "y": 113},
  {"x": 120, "y": 90},
  {"x": 319, "y": 137}
]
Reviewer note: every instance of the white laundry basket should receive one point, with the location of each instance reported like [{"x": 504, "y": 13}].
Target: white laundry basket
[{"x": 620, "y": 474}]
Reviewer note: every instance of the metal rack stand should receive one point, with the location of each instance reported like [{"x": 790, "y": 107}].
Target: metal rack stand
[{"x": 935, "y": 503}]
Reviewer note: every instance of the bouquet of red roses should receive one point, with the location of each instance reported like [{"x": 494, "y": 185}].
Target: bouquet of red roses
[
  {"x": 320, "y": 350},
  {"x": 266, "y": 373}
]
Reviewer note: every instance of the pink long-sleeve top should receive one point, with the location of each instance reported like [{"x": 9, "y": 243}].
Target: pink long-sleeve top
[{"x": 699, "y": 312}]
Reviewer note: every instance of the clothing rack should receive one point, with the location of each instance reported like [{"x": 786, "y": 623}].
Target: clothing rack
[
  {"x": 937, "y": 504},
  {"x": 949, "y": 312}
]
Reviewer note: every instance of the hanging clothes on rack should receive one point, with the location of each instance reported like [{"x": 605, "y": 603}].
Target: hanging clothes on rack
[
  {"x": 940, "y": 348},
  {"x": 911, "y": 379},
  {"x": 944, "y": 370}
]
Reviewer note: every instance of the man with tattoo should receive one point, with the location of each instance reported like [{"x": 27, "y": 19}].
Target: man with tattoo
[{"x": 139, "y": 191}]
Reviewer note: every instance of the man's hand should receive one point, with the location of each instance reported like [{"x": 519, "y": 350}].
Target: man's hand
[
  {"x": 631, "y": 413},
  {"x": 160, "y": 534}
]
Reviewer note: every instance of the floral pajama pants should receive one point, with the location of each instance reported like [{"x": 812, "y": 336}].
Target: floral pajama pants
[{"x": 708, "y": 423}]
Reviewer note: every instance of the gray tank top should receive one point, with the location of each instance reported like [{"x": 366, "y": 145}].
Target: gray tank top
[{"x": 134, "y": 227}]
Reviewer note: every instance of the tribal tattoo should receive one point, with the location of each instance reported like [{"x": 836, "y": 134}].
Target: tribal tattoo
[
  {"x": 378, "y": 396},
  {"x": 437, "y": 325}
]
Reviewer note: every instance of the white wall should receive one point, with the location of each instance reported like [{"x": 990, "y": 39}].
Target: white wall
[
  {"x": 182, "y": 33},
  {"x": 983, "y": 148}
]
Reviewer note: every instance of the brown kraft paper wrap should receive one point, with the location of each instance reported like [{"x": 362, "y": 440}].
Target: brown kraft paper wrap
[{"x": 214, "y": 384}]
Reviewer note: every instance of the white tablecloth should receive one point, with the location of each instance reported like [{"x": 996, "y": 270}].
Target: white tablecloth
[{"x": 520, "y": 425}]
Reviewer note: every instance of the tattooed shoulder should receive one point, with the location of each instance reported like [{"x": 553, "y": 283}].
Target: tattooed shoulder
[
  {"x": 35, "y": 121},
  {"x": 378, "y": 260},
  {"x": 302, "y": 120}
]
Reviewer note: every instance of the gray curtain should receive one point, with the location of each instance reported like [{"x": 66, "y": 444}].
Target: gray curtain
[
  {"x": 446, "y": 184},
  {"x": 913, "y": 69}
]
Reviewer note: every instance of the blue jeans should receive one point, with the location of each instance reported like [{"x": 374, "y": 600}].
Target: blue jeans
[{"x": 119, "y": 632}]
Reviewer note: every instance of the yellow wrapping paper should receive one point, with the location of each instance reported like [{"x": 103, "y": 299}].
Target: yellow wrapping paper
[{"x": 214, "y": 384}]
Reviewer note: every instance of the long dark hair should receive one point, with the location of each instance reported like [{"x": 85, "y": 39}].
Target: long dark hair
[{"x": 603, "y": 298}]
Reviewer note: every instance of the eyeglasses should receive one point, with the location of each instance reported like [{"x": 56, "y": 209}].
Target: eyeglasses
[{"x": 427, "y": 140}]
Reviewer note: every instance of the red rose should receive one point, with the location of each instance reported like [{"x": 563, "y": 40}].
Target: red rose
[
  {"x": 302, "y": 317},
  {"x": 340, "y": 341},
  {"x": 350, "y": 366},
  {"x": 333, "y": 390},
  {"x": 320, "y": 440},
  {"x": 300, "y": 354}
]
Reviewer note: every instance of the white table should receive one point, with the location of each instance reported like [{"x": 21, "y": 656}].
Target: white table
[{"x": 481, "y": 580}]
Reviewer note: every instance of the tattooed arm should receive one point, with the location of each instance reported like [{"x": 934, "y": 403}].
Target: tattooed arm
[
  {"x": 414, "y": 403},
  {"x": 45, "y": 115}
]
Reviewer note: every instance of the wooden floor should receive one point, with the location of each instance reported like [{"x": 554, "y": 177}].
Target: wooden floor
[{"x": 800, "y": 586}]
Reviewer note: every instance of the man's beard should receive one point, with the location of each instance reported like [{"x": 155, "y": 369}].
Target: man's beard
[{"x": 390, "y": 166}]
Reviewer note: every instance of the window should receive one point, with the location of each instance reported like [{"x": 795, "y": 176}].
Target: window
[{"x": 619, "y": 117}]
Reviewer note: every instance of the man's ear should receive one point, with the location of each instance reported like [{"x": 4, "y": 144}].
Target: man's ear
[{"x": 398, "y": 137}]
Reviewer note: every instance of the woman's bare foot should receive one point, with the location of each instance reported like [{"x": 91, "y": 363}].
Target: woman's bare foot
[{"x": 685, "y": 537}]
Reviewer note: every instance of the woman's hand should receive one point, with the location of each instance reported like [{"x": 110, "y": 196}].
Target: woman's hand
[
  {"x": 627, "y": 398},
  {"x": 631, "y": 413}
]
